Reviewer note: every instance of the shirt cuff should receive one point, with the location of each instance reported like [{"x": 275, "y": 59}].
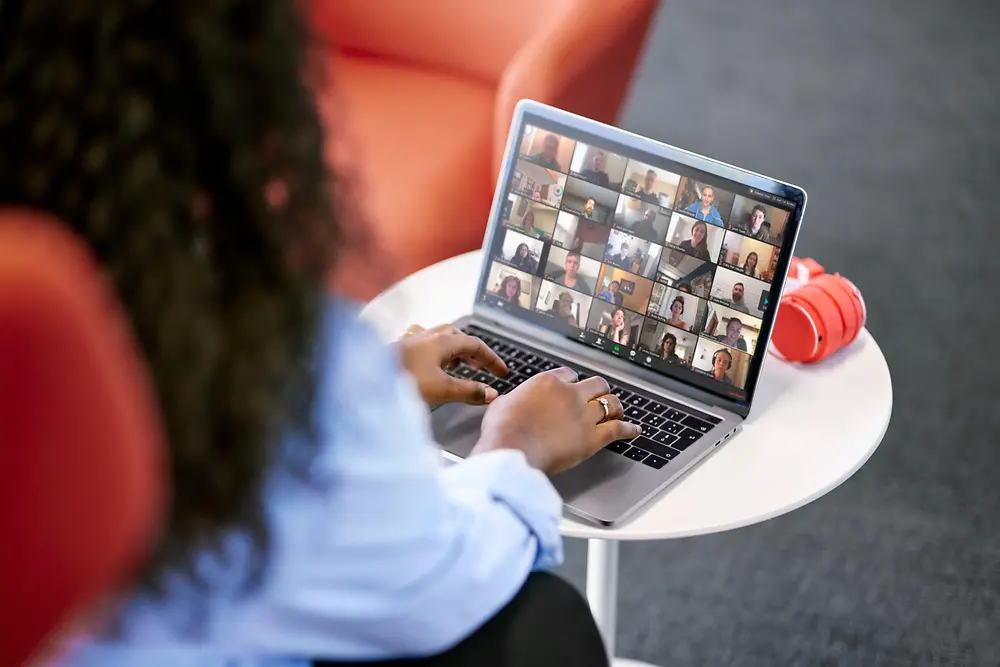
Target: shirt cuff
[{"x": 506, "y": 476}]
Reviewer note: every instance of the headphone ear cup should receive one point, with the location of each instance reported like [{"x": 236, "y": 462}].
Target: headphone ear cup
[{"x": 830, "y": 312}]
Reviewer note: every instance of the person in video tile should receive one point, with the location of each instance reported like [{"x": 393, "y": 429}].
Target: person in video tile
[
  {"x": 616, "y": 329},
  {"x": 732, "y": 337},
  {"x": 668, "y": 349},
  {"x": 588, "y": 208},
  {"x": 705, "y": 209},
  {"x": 736, "y": 301},
  {"x": 644, "y": 227},
  {"x": 528, "y": 225},
  {"x": 646, "y": 193},
  {"x": 697, "y": 245},
  {"x": 611, "y": 294},
  {"x": 562, "y": 310},
  {"x": 596, "y": 174},
  {"x": 547, "y": 156},
  {"x": 756, "y": 227},
  {"x": 621, "y": 259},
  {"x": 676, "y": 310},
  {"x": 722, "y": 361},
  {"x": 749, "y": 267},
  {"x": 569, "y": 276},
  {"x": 510, "y": 289},
  {"x": 522, "y": 259}
]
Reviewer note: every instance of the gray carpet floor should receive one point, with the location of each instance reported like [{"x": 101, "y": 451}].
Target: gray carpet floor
[{"x": 888, "y": 113}]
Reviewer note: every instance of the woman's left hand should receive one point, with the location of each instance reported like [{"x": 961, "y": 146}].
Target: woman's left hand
[{"x": 427, "y": 353}]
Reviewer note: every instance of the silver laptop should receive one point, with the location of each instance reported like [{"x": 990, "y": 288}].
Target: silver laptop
[{"x": 658, "y": 269}]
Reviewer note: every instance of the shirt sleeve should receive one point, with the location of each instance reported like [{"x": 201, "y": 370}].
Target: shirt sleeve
[{"x": 387, "y": 553}]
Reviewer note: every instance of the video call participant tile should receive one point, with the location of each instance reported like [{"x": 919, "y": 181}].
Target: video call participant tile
[
  {"x": 750, "y": 257},
  {"x": 672, "y": 345},
  {"x": 740, "y": 292},
  {"x": 598, "y": 166},
  {"x": 758, "y": 220},
  {"x": 703, "y": 201},
  {"x": 696, "y": 238},
  {"x": 586, "y": 237},
  {"x": 651, "y": 185},
  {"x": 722, "y": 363},
  {"x": 678, "y": 309},
  {"x": 614, "y": 323},
  {"x": 731, "y": 327},
  {"x": 537, "y": 183},
  {"x": 512, "y": 286},
  {"x": 641, "y": 219},
  {"x": 568, "y": 307},
  {"x": 621, "y": 288},
  {"x": 572, "y": 270},
  {"x": 520, "y": 251},
  {"x": 548, "y": 149},
  {"x": 589, "y": 200},
  {"x": 690, "y": 275},
  {"x": 529, "y": 217},
  {"x": 632, "y": 254}
]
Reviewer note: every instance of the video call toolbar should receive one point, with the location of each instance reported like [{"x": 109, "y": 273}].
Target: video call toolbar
[{"x": 653, "y": 266}]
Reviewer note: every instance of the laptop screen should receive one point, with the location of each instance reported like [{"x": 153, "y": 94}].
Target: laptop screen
[{"x": 639, "y": 256}]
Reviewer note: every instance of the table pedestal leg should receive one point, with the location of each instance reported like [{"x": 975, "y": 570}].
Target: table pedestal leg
[{"x": 602, "y": 593}]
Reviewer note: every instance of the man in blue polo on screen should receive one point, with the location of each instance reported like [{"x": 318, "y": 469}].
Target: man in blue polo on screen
[
  {"x": 611, "y": 294},
  {"x": 705, "y": 209}
]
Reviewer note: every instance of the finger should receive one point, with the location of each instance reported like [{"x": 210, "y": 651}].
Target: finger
[
  {"x": 474, "y": 352},
  {"x": 595, "y": 411},
  {"x": 467, "y": 391},
  {"x": 593, "y": 387},
  {"x": 616, "y": 429},
  {"x": 564, "y": 373},
  {"x": 412, "y": 330}
]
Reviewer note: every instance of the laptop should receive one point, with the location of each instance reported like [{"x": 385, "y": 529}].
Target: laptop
[{"x": 656, "y": 268}]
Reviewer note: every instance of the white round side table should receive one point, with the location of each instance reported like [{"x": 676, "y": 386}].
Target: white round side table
[{"x": 810, "y": 429}]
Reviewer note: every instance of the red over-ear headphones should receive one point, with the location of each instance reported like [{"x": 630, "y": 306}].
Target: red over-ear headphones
[
  {"x": 818, "y": 315},
  {"x": 729, "y": 363}
]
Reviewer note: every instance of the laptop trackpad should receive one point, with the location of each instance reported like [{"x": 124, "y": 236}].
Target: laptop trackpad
[{"x": 457, "y": 427}]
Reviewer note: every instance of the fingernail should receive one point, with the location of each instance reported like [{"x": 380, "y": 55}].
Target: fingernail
[
  {"x": 636, "y": 429},
  {"x": 489, "y": 393}
]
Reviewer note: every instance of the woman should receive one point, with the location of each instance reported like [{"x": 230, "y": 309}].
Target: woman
[
  {"x": 697, "y": 245},
  {"x": 510, "y": 290},
  {"x": 750, "y": 266},
  {"x": 522, "y": 258},
  {"x": 528, "y": 225},
  {"x": 668, "y": 349},
  {"x": 310, "y": 517},
  {"x": 676, "y": 310},
  {"x": 616, "y": 330}
]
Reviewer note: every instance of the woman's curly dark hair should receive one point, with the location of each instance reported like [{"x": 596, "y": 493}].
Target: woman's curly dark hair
[{"x": 182, "y": 142}]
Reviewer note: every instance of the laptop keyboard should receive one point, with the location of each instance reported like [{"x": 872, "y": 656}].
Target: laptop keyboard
[{"x": 668, "y": 428}]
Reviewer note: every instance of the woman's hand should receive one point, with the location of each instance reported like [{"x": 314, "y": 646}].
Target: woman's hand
[
  {"x": 556, "y": 421},
  {"x": 426, "y": 353}
]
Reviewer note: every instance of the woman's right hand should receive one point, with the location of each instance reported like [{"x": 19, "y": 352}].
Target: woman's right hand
[{"x": 556, "y": 421}]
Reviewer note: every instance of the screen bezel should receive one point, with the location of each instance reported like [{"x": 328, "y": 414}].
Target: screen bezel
[{"x": 654, "y": 153}]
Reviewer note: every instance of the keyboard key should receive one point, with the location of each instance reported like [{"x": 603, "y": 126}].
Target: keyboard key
[
  {"x": 697, "y": 424},
  {"x": 652, "y": 420},
  {"x": 664, "y": 438},
  {"x": 514, "y": 366},
  {"x": 622, "y": 394},
  {"x": 652, "y": 447},
  {"x": 636, "y": 454},
  {"x": 528, "y": 370},
  {"x": 711, "y": 419},
  {"x": 632, "y": 420},
  {"x": 464, "y": 371},
  {"x": 546, "y": 365},
  {"x": 637, "y": 401},
  {"x": 635, "y": 413},
  {"x": 686, "y": 438},
  {"x": 483, "y": 376},
  {"x": 672, "y": 427},
  {"x": 502, "y": 386},
  {"x": 654, "y": 461},
  {"x": 675, "y": 415},
  {"x": 516, "y": 380},
  {"x": 532, "y": 359},
  {"x": 656, "y": 408},
  {"x": 618, "y": 446}
]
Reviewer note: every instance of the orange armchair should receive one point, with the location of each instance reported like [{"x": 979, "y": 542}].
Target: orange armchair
[
  {"x": 82, "y": 469},
  {"x": 423, "y": 94}
]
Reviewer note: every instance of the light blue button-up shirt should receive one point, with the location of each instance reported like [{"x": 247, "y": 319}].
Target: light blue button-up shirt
[{"x": 386, "y": 553}]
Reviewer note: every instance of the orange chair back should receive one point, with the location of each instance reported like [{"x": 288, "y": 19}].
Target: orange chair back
[{"x": 82, "y": 474}]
